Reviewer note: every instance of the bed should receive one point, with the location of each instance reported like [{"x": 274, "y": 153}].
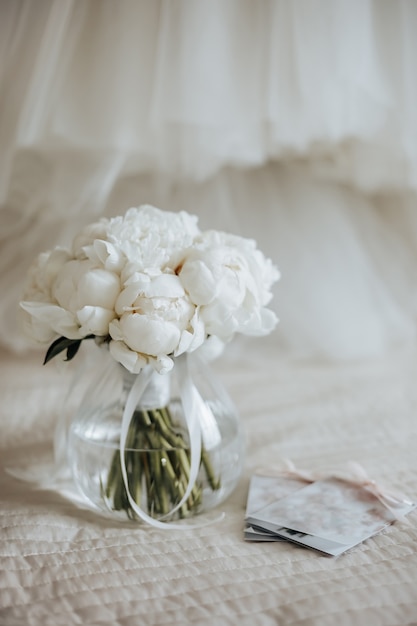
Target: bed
[{"x": 62, "y": 564}]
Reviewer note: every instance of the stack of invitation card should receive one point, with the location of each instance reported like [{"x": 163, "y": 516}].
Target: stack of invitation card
[{"x": 329, "y": 515}]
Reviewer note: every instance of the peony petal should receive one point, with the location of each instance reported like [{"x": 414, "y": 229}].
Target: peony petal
[
  {"x": 98, "y": 287},
  {"x": 58, "y": 319},
  {"x": 190, "y": 341},
  {"x": 115, "y": 330},
  {"x": 212, "y": 348},
  {"x": 153, "y": 337},
  {"x": 131, "y": 360},
  {"x": 199, "y": 281},
  {"x": 162, "y": 364},
  {"x": 127, "y": 298},
  {"x": 36, "y": 330},
  {"x": 95, "y": 320},
  {"x": 165, "y": 285},
  {"x": 110, "y": 255},
  {"x": 184, "y": 343}
]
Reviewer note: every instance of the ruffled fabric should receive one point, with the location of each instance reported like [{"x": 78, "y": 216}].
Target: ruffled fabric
[
  {"x": 294, "y": 123},
  {"x": 186, "y": 88}
]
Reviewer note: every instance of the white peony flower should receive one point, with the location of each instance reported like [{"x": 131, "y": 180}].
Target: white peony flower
[
  {"x": 89, "y": 293},
  {"x": 42, "y": 318},
  {"x": 231, "y": 281},
  {"x": 144, "y": 236},
  {"x": 43, "y": 272},
  {"x": 151, "y": 284},
  {"x": 156, "y": 317}
]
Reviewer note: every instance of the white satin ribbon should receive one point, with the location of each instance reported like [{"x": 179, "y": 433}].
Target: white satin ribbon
[{"x": 192, "y": 405}]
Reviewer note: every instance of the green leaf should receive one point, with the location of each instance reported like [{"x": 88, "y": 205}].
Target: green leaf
[
  {"x": 73, "y": 349},
  {"x": 61, "y": 344}
]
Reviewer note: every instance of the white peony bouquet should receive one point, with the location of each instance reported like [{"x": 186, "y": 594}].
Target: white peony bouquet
[{"x": 151, "y": 286}]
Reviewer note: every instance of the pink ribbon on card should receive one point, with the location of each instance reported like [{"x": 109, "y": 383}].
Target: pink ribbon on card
[
  {"x": 392, "y": 500},
  {"x": 354, "y": 474}
]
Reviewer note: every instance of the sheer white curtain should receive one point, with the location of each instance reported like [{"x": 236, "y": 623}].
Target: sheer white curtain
[{"x": 290, "y": 121}]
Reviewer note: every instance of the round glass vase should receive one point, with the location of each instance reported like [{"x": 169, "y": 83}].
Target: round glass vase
[{"x": 157, "y": 447}]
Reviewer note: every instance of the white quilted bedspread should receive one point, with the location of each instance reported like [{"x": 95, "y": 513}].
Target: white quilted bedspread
[{"x": 61, "y": 565}]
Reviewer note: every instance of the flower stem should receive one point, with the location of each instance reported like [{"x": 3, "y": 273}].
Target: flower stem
[{"x": 158, "y": 468}]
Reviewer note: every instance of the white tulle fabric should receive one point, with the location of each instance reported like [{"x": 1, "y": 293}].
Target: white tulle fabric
[{"x": 291, "y": 122}]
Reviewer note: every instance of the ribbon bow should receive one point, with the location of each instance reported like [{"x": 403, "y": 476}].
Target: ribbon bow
[
  {"x": 394, "y": 501},
  {"x": 355, "y": 474}
]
